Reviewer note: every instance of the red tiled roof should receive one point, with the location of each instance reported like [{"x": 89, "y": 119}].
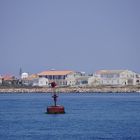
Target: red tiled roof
[
  {"x": 55, "y": 72},
  {"x": 8, "y": 77}
]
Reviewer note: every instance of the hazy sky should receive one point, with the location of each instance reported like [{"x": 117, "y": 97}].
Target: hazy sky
[{"x": 81, "y": 35}]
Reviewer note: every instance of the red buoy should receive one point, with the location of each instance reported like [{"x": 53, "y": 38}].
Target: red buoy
[{"x": 56, "y": 109}]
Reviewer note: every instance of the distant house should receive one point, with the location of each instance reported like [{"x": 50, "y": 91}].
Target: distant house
[
  {"x": 137, "y": 79},
  {"x": 41, "y": 82},
  {"x": 0, "y": 80},
  {"x": 113, "y": 77},
  {"x": 35, "y": 80},
  {"x": 24, "y": 75},
  {"x": 9, "y": 80},
  {"x": 94, "y": 80},
  {"x": 28, "y": 80},
  {"x": 77, "y": 79},
  {"x": 59, "y": 76}
]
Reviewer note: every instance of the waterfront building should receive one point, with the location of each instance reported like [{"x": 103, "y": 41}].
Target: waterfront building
[
  {"x": 58, "y": 76},
  {"x": 113, "y": 77},
  {"x": 28, "y": 81},
  {"x": 0, "y": 80},
  {"x": 41, "y": 82},
  {"x": 35, "y": 80},
  {"x": 24, "y": 75},
  {"x": 77, "y": 79},
  {"x": 94, "y": 80},
  {"x": 137, "y": 79},
  {"x": 8, "y": 80}
]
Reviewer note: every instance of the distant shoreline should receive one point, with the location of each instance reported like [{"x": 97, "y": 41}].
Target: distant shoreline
[{"x": 95, "y": 89}]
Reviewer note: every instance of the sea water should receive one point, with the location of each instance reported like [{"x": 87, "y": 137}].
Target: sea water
[{"x": 88, "y": 117}]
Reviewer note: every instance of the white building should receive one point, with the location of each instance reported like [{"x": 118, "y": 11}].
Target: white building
[
  {"x": 77, "y": 79},
  {"x": 94, "y": 80},
  {"x": 24, "y": 75},
  {"x": 113, "y": 77},
  {"x": 58, "y": 76},
  {"x": 41, "y": 82},
  {"x": 0, "y": 79},
  {"x": 137, "y": 79},
  {"x": 35, "y": 80}
]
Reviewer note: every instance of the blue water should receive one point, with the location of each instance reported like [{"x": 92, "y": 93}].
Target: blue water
[{"x": 88, "y": 117}]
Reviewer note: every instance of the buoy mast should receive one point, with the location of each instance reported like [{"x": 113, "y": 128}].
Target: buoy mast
[
  {"x": 53, "y": 85},
  {"x": 56, "y": 109}
]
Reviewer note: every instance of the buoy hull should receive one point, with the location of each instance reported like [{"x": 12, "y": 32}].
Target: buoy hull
[{"x": 55, "y": 110}]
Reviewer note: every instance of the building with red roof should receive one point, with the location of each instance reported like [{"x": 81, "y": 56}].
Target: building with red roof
[{"x": 58, "y": 76}]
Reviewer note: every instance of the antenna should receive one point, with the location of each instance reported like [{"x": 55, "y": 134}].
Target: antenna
[{"x": 20, "y": 72}]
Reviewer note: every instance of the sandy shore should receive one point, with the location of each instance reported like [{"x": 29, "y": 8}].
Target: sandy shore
[{"x": 96, "y": 89}]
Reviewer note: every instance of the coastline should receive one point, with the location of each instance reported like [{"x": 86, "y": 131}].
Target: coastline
[{"x": 95, "y": 89}]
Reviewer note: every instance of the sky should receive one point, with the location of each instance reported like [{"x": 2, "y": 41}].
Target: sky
[{"x": 79, "y": 35}]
